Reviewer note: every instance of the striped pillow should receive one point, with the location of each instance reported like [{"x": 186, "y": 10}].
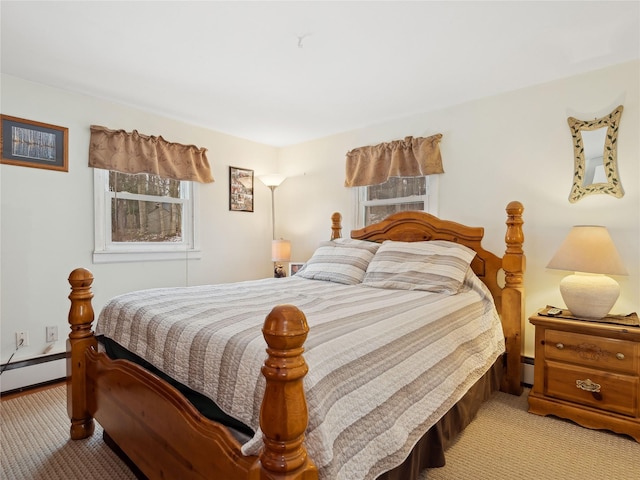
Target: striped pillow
[
  {"x": 371, "y": 246},
  {"x": 436, "y": 266},
  {"x": 343, "y": 261}
]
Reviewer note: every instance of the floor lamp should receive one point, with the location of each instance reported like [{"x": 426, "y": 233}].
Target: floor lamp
[{"x": 280, "y": 249}]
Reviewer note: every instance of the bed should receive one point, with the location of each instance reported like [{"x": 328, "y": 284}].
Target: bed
[{"x": 301, "y": 424}]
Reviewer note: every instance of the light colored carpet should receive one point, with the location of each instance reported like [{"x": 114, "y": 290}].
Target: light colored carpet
[
  {"x": 504, "y": 442},
  {"x": 35, "y": 444}
]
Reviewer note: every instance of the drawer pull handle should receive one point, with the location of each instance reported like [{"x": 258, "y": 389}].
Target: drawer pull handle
[
  {"x": 588, "y": 385},
  {"x": 620, "y": 356},
  {"x": 559, "y": 346}
]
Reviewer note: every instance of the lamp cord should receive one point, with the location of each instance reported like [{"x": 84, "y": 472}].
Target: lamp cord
[{"x": 9, "y": 361}]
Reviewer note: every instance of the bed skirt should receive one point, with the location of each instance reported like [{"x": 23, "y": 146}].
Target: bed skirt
[{"x": 429, "y": 452}]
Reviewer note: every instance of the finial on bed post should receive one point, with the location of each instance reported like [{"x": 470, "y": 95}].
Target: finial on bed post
[
  {"x": 514, "y": 264},
  {"x": 80, "y": 338},
  {"x": 283, "y": 415},
  {"x": 336, "y": 226}
]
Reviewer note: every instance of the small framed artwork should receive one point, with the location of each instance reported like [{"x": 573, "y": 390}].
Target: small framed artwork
[
  {"x": 294, "y": 267},
  {"x": 26, "y": 143},
  {"x": 240, "y": 189}
]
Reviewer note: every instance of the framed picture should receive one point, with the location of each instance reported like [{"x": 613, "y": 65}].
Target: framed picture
[
  {"x": 294, "y": 267},
  {"x": 34, "y": 144},
  {"x": 240, "y": 189}
]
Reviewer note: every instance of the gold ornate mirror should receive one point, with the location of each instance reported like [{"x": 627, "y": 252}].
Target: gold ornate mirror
[{"x": 595, "y": 147}]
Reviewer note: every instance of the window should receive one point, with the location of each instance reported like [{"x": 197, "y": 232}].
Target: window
[
  {"x": 376, "y": 202},
  {"x": 143, "y": 217}
]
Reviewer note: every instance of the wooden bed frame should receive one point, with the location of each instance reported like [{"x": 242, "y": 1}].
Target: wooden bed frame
[{"x": 166, "y": 437}]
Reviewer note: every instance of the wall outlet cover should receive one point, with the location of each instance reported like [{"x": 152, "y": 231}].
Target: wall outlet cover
[
  {"x": 22, "y": 339},
  {"x": 52, "y": 334}
]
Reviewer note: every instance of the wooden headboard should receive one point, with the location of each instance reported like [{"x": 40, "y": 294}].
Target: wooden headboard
[{"x": 508, "y": 294}]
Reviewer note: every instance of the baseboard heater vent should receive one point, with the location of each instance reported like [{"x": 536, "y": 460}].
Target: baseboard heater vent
[
  {"x": 527, "y": 371},
  {"x": 52, "y": 368},
  {"x": 32, "y": 372}
]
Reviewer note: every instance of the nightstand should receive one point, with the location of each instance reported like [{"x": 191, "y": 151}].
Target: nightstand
[{"x": 587, "y": 372}]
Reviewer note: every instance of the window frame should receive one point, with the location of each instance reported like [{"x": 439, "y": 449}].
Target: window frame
[
  {"x": 106, "y": 251},
  {"x": 430, "y": 200}
]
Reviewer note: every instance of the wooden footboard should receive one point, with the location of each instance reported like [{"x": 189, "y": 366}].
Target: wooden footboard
[{"x": 160, "y": 431}]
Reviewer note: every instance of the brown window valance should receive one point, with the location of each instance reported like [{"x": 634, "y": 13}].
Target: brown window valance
[
  {"x": 411, "y": 157},
  {"x": 136, "y": 153}
]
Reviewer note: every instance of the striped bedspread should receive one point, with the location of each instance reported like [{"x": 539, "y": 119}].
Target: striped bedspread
[{"x": 384, "y": 365}]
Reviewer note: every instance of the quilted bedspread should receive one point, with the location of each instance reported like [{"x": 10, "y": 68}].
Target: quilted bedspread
[{"x": 384, "y": 365}]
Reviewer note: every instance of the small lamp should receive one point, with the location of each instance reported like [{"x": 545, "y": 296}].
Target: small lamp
[
  {"x": 280, "y": 252},
  {"x": 589, "y": 251},
  {"x": 280, "y": 249}
]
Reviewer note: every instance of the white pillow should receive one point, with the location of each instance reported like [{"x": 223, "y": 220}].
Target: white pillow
[
  {"x": 435, "y": 266},
  {"x": 341, "y": 261}
]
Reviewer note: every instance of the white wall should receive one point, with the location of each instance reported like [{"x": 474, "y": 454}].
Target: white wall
[
  {"x": 47, "y": 216},
  {"x": 515, "y": 146}
]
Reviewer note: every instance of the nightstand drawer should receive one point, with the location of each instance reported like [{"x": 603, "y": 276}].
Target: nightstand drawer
[
  {"x": 607, "y": 391},
  {"x": 602, "y": 353}
]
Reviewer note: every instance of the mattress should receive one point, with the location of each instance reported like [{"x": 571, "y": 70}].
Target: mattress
[{"x": 384, "y": 365}]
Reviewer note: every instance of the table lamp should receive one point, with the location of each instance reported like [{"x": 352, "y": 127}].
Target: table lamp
[
  {"x": 280, "y": 252},
  {"x": 589, "y": 251}
]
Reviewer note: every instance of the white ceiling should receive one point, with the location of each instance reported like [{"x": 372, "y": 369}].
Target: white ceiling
[{"x": 281, "y": 73}]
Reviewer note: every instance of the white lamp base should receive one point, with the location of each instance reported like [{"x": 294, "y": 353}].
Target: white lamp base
[{"x": 589, "y": 295}]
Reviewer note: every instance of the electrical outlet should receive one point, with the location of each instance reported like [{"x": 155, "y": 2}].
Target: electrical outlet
[
  {"x": 52, "y": 334},
  {"x": 22, "y": 339}
]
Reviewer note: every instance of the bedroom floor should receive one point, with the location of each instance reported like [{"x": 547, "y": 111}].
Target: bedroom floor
[
  {"x": 506, "y": 442},
  {"x": 503, "y": 442}
]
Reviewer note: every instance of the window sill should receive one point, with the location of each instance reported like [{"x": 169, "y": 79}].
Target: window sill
[{"x": 121, "y": 256}]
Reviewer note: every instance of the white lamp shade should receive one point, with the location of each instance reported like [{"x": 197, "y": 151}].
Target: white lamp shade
[
  {"x": 589, "y": 251},
  {"x": 272, "y": 180},
  {"x": 280, "y": 250}
]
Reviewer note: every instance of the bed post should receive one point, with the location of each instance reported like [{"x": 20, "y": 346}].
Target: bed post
[
  {"x": 80, "y": 338},
  {"x": 283, "y": 415},
  {"x": 513, "y": 264},
  {"x": 336, "y": 226}
]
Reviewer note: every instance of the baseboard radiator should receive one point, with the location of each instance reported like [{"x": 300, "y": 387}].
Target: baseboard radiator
[
  {"x": 25, "y": 374},
  {"x": 31, "y": 373}
]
